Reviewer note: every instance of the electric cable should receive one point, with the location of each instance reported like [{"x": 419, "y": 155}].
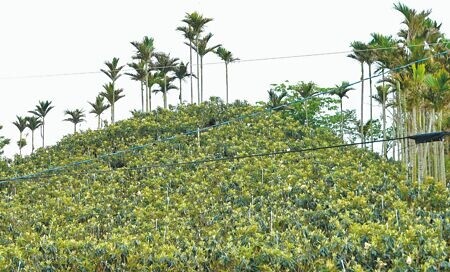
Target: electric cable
[
  {"x": 286, "y": 105},
  {"x": 6, "y": 77}
]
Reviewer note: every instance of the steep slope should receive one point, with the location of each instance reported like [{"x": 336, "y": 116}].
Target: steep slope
[{"x": 148, "y": 209}]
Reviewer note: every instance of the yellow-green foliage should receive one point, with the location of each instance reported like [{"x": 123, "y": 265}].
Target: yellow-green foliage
[{"x": 322, "y": 210}]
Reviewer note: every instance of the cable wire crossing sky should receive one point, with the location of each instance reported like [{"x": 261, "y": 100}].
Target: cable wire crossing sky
[{"x": 54, "y": 50}]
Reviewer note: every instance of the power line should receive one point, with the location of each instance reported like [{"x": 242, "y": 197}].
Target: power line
[
  {"x": 221, "y": 62},
  {"x": 134, "y": 148},
  {"x": 203, "y": 161},
  {"x": 426, "y": 136}
]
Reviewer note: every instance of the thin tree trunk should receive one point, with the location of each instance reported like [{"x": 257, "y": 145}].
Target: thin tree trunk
[
  {"x": 43, "y": 131},
  {"x": 361, "y": 124},
  {"x": 201, "y": 72},
  {"x": 147, "y": 95},
  {"x": 190, "y": 71},
  {"x": 342, "y": 123},
  {"x": 371, "y": 106},
  {"x": 383, "y": 147},
  {"x": 112, "y": 112},
  {"x": 442, "y": 153},
  {"x": 20, "y": 144},
  {"x": 198, "y": 79},
  {"x": 99, "y": 120},
  {"x": 74, "y": 128},
  {"x": 384, "y": 126},
  {"x": 306, "y": 112},
  {"x": 180, "y": 93},
  {"x": 165, "y": 92},
  {"x": 150, "y": 98},
  {"x": 142, "y": 96},
  {"x": 32, "y": 141},
  {"x": 226, "y": 80}
]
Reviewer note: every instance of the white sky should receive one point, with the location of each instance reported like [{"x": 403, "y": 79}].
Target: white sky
[{"x": 52, "y": 37}]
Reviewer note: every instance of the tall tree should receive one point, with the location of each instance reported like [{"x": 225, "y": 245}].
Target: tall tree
[
  {"x": 276, "y": 98},
  {"x": 438, "y": 95},
  {"x": 165, "y": 65},
  {"x": 359, "y": 54},
  {"x": 197, "y": 23},
  {"x": 113, "y": 73},
  {"x": 165, "y": 85},
  {"x": 202, "y": 49},
  {"x": 41, "y": 111},
  {"x": 381, "y": 97},
  {"x": 33, "y": 123},
  {"x": 341, "y": 91},
  {"x": 141, "y": 75},
  {"x": 21, "y": 124},
  {"x": 227, "y": 58},
  {"x": 98, "y": 107},
  {"x": 190, "y": 36},
  {"x": 112, "y": 95},
  {"x": 75, "y": 117},
  {"x": 181, "y": 73},
  {"x": 144, "y": 52},
  {"x": 305, "y": 90}
]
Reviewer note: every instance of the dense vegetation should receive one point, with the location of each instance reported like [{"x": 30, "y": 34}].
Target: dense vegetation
[
  {"x": 332, "y": 209},
  {"x": 165, "y": 191}
]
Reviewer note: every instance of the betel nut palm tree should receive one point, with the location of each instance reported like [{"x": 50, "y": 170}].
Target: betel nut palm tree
[
  {"x": 181, "y": 73},
  {"x": 112, "y": 95},
  {"x": 98, "y": 107},
  {"x": 196, "y": 22},
  {"x": 359, "y": 54},
  {"x": 190, "y": 36},
  {"x": 165, "y": 65},
  {"x": 202, "y": 49},
  {"x": 141, "y": 76},
  {"x": 41, "y": 111},
  {"x": 227, "y": 58},
  {"x": 341, "y": 91},
  {"x": 21, "y": 124},
  {"x": 144, "y": 53},
  {"x": 33, "y": 123},
  {"x": 113, "y": 73},
  {"x": 75, "y": 117}
]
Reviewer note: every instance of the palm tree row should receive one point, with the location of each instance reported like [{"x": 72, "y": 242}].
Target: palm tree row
[{"x": 417, "y": 96}]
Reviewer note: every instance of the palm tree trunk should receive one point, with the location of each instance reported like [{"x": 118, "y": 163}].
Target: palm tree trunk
[
  {"x": 112, "y": 112},
  {"x": 361, "y": 124},
  {"x": 74, "y": 128},
  {"x": 150, "y": 97},
  {"x": 181, "y": 100},
  {"x": 342, "y": 123},
  {"x": 226, "y": 80},
  {"x": 147, "y": 93},
  {"x": 32, "y": 141},
  {"x": 165, "y": 92},
  {"x": 383, "y": 105},
  {"x": 306, "y": 112},
  {"x": 201, "y": 72},
  {"x": 142, "y": 96},
  {"x": 198, "y": 79},
  {"x": 20, "y": 144},
  {"x": 190, "y": 71},
  {"x": 371, "y": 106},
  {"x": 43, "y": 131},
  {"x": 99, "y": 118},
  {"x": 442, "y": 153}
]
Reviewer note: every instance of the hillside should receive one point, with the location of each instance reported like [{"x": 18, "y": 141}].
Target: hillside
[{"x": 342, "y": 209}]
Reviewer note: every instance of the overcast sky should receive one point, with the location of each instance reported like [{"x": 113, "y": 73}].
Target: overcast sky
[{"x": 53, "y": 37}]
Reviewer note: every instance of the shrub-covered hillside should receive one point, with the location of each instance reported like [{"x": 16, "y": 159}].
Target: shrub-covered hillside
[{"x": 342, "y": 209}]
